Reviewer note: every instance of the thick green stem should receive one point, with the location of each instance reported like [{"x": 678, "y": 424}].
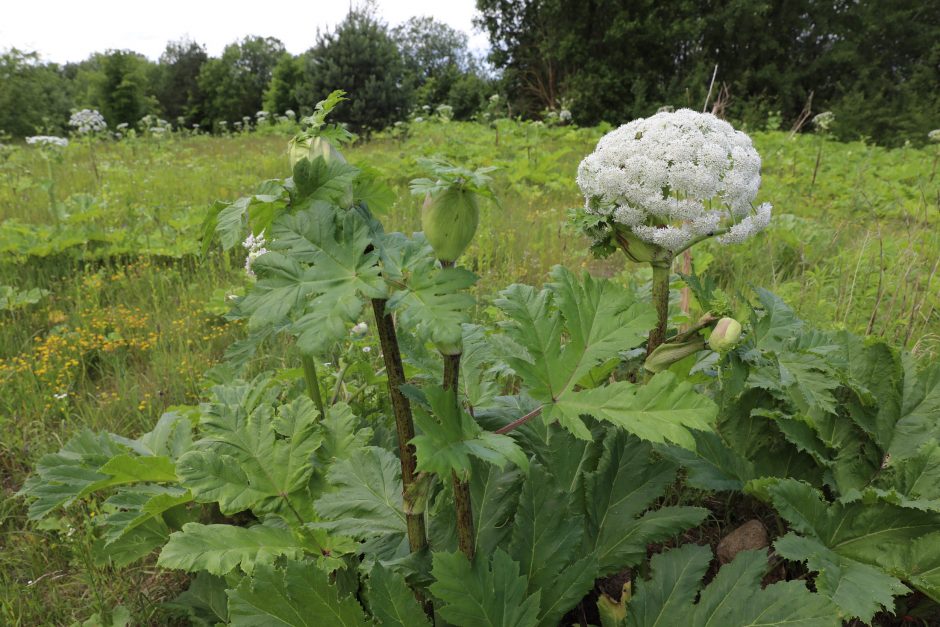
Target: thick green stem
[
  {"x": 462, "y": 502},
  {"x": 404, "y": 423},
  {"x": 313, "y": 383},
  {"x": 657, "y": 336}
]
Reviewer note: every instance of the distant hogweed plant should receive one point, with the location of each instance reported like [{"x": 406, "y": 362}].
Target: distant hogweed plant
[{"x": 87, "y": 122}]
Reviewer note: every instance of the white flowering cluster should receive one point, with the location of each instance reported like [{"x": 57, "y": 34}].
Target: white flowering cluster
[
  {"x": 676, "y": 177},
  {"x": 445, "y": 111},
  {"x": 87, "y": 121},
  {"x": 824, "y": 120},
  {"x": 564, "y": 115},
  {"x": 934, "y": 135},
  {"x": 48, "y": 140},
  {"x": 254, "y": 244},
  {"x": 290, "y": 114}
]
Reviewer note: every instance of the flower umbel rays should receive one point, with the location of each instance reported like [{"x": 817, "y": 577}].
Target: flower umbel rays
[
  {"x": 675, "y": 178},
  {"x": 254, "y": 244}
]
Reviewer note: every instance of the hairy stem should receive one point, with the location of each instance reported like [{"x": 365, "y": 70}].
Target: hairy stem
[
  {"x": 661, "y": 303},
  {"x": 404, "y": 423},
  {"x": 313, "y": 383},
  {"x": 462, "y": 502}
]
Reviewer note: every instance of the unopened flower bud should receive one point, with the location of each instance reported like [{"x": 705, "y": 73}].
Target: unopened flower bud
[
  {"x": 725, "y": 335},
  {"x": 667, "y": 354}
]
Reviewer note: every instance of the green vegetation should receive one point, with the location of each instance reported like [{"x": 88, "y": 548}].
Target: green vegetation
[{"x": 112, "y": 318}]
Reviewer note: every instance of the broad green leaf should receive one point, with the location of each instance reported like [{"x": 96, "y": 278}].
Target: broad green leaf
[
  {"x": 244, "y": 463},
  {"x": 140, "y": 505},
  {"x": 124, "y": 469},
  {"x": 494, "y": 494},
  {"x": 548, "y": 547},
  {"x": 662, "y": 600},
  {"x": 917, "y": 423},
  {"x": 220, "y": 548},
  {"x": 297, "y": 595},
  {"x": 450, "y": 437},
  {"x": 321, "y": 180},
  {"x": 61, "y": 477},
  {"x": 858, "y": 589},
  {"x": 564, "y": 331},
  {"x": 391, "y": 600},
  {"x": 205, "y": 601},
  {"x": 774, "y": 324},
  {"x": 662, "y": 409},
  {"x": 734, "y": 597},
  {"x": 625, "y": 483},
  {"x": 487, "y": 593},
  {"x": 873, "y": 527},
  {"x": 434, "y": 302},
  {"x": 319, "y": 273},
  {"x": 367, "y": 496}
]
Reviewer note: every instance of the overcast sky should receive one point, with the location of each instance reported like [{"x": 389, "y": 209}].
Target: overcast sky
[{"x": 63, "y": 30}]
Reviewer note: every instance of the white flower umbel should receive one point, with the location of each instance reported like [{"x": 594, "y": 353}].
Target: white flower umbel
[
  {"x": 934, "y": 135},
  {"x": 824, "y": 120},
  {"x": 675, "y": 178},
  {"x": 87, "y": 121},
  {"x": 48, "y": 140},
  {"x": 254, "y": 244}
]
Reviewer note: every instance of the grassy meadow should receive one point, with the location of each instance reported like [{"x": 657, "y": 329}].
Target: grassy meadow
[{"x": 109, "y": 314}]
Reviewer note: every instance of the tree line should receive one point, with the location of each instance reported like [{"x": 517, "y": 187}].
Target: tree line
[
  {"x": 874, "y": 64},
  {"x": 387, "y": 72}
]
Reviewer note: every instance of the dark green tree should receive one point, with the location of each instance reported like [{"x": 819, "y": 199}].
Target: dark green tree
[
  {"x": 34, "y": 97},
  {"x": 361, "y": 58},
  {"x": 284, "y": 91},
  {"x": 122, "y": 86},
  {"x": 233, "y": 85},
  {"x": 178, "y": 89}
]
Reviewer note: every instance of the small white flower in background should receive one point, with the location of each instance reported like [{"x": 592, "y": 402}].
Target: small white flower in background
[
  {"x": 290, "y": 114},
  {"x": 419, "y": 119},
  {"x": 48, "y": 140},
  {"x": 666, "y": 109},
  {"x": 122, "y": 126},
  {"x": 494, "y": 98},
  {"x": 254, "y": 244},
  {"x": 360, "y": 329},
  {"x": 446, "y": 112},
  {"x": 934, "y": 135},
  {"x": 60, "y": 396},
  {"x": 87, "y": 121},
  {"x": 824, "y": 120},
  {"x": 564, "y": 115},
  {"x": 261, "y": 115},
  {"x": 366, "y": 349},
  {"x": 675, "y": 177}
]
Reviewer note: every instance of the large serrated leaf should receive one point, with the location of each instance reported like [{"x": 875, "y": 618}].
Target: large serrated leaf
[
  {"x": 734, "y": 597},
  {"x": 220, "y": 548},
  {"x": 391, "y": 600},
  {"x": 367, "y": 496},
  {"x": 297, "y": 595},
  {"x": 450, "y": 437},
  {"x": 625, "y": 483},
  {"x": 487, "y": 593}
]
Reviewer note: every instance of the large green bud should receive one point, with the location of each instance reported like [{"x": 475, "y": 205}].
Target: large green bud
[
  {"x": 311, "y": 148},
  {"x": 725, "y": 335},
  {"x": 449, "y": 219}
]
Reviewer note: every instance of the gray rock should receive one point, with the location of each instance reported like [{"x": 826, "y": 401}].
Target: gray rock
[{"x": 749, "y": 536}]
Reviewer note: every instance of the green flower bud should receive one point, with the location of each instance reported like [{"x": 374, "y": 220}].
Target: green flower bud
[
  {"x": 449, "y": 219},
  {"x": 667, "y": 354},
  {"x": 311, "y": 148},
  {"x": 725, "y": 335}
]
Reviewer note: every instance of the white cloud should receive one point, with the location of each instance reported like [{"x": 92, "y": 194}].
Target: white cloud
[{"x": 61, "y": 32}]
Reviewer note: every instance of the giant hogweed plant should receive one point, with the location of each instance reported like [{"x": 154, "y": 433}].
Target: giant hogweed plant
[{"x": 504, "y": 469}]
